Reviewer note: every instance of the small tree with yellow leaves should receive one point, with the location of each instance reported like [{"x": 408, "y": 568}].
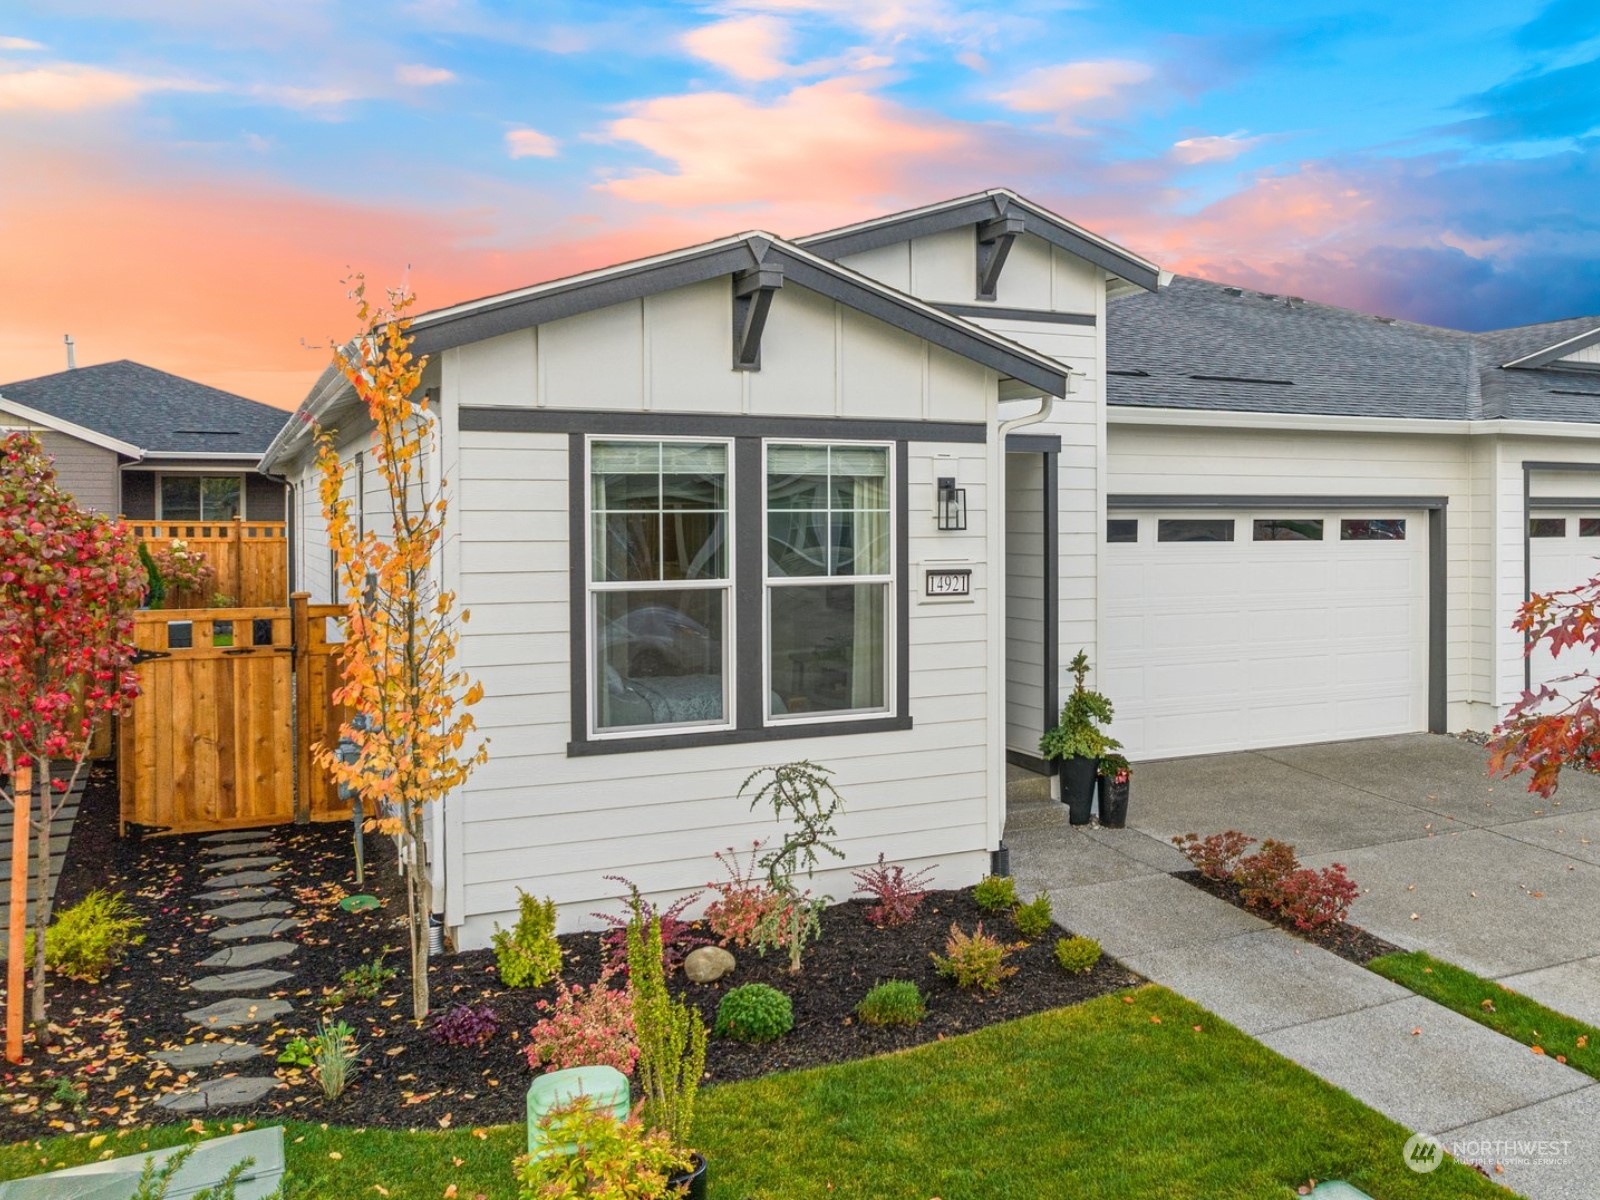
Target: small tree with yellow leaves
[{"x": 398, "y": 660}]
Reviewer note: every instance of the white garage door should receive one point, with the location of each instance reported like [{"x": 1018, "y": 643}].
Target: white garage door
[
  {"x": 1239, "y": 630},
  {"x": 1562, "y": 550}
]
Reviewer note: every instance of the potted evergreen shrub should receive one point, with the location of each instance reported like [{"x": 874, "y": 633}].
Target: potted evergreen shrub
[
  {"x": 1078, "y": 741},
  {"x": 1115, "y": 775}
]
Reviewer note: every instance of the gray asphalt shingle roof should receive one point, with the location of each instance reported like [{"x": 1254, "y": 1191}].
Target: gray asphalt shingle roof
[
  {"x": 152, "y": 409},
  {"x": 1302, "y": 357}
]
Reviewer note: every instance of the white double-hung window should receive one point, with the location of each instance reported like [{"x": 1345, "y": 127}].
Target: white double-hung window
[
  {"x": 829, "y": 580},
  {"x": 659, "y": 585}
]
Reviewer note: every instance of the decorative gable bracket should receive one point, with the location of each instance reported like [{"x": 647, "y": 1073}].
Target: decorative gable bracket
[
  {"x": 994, "y": 244},
  {"x": 752, "y": 297}
]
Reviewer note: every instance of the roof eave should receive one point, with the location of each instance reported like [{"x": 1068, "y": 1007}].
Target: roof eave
[
  {"x": 1543, "y": 358},
  {"x": 71, "y": 429}
]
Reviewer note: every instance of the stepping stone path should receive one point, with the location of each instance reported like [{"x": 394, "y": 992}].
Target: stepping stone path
[
  {"x": 265, "y": 927},
  {"x": 248, "y": 954},
  {"x": 238, "y": 868},
  {"x": 250, "y": 908},
  {"x": 254, "y": 980}
]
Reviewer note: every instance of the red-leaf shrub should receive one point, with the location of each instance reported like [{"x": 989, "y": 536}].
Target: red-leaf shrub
[
  {"x": 744, "y": 899},
  {"x": 678, "y": 936},
  {"x": 898, "y": 895},
  {"x": 587, "y": 1027},
  {"x": 1260, "y": 876},
  {"x": 468, "y": 1026},
  {"x": 1215, "y": 856},
  {"x": 1314, "y": 900}
]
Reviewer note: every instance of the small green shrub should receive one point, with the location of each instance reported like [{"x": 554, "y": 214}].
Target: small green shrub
[
  {"x": 996, "y": 893},
  {"x": 976, "y": 960},
  {"x": 155, "y": 592},
  {"x": 92, "y": 936},
  {"x": 333, "y": 1057},
  {"x": 616, "y": 1160},
  {"x": 366, "y": 981},
  {"x": 296, "y": 1052},
  {"x": 1077, "y": 954},
  {"x": 1034, "y": 918},
  {"x": 898, "y": 1002},
  {"x": 754, "y": 1012},
  {"x": 528, "y": 955},
  {"x": 68, "y": 1094}
]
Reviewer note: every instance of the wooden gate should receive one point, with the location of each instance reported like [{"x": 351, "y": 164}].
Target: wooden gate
[
  {"x": 213, "y": 741},
  {"x": 250, "y": 558}
]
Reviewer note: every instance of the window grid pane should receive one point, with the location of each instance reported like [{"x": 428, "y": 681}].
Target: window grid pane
[
  {"x": 827, "y": 511},
  {"x": 659, "y": 511}
]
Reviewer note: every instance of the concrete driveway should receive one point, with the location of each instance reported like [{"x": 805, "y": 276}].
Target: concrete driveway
[{"x": 1472, "y": 869}]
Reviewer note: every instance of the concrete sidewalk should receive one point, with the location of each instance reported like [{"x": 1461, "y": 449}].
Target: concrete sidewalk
[{"x": 1431, "y": 1070}]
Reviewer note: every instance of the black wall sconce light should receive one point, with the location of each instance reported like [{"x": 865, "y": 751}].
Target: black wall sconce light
[{"x": 950, "y": 509}]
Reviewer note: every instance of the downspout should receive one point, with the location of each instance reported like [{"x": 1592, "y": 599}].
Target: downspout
[{"x": 996, "y": 817}]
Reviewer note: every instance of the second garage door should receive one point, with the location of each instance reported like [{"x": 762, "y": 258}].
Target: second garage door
[
  {"x": 1563, "y": 553},
  {"x": 1246, "y": 629}
]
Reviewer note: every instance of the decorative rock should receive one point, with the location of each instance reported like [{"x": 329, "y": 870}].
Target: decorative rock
[
  {"x": 224, "y": 895},
  {"x": 236, "y": 849},
  {"x": 263, "y": 928},
  {"x": 238, "y": 1012},
  {"x": 218, "y": 1093},
  {"x": 205, "y": 1054},
  {"x": 234, "y": 835},
  {"x": 249, "y": 863},
  {"x": 707, "y": 964},
  {"x": 250, "y": 908},
  {"x": 256, "y": 980},
  {"x": 248, "y": 955},
  {"x": 242, "y": 879}
]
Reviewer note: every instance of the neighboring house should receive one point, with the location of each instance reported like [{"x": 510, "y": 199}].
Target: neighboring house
[
  {"x": 134, "y": 441},
  {"x": 857, "y": 497}
]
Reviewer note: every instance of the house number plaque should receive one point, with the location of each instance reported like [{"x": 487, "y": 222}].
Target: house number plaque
[{"x": 948, "y": 583}]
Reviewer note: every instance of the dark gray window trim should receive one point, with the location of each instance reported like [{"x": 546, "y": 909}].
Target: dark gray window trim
[
  {"x": 1529, "y": 466},
  {"x": 1037, "y": 220},
  {"x": 619, "y": 285},
  {"x": 998, "y": 313},
  {"x": 1437, "y": 508},
  {"x": 749, "y": 591},
  {"x": 625, "y": 424},
  {"x": 1549, "y": 502}
]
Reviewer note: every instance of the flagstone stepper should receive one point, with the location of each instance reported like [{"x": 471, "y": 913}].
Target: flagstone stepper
[
  {"x": 257, "y": 979},
  {"x": 219, "y": 1093},
  {"x": 238, "y": 893},
  {"x": 205, "y": 1054},
  {"x": 237, "y": 1012},
  {"x": 242, "y": 879},
  {"x": 234, "y": 835},
  {"x": 250, "y": 908},
  {"x": 249, "y": 954},
  {"x": 237, "y": 849},
  {"x": 250, "y": 863},
  {"x": 264, "y": 928}
]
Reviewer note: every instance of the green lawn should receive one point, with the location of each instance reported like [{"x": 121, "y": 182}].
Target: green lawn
[
  {"x": 1109, "y": 1099},
  {"x": 1517, "y": 1017}
]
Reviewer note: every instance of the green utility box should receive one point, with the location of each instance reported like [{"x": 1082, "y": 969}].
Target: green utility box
[
  {"x": 1338, "y": 1189},
  {"x": 606, "y": 1088}
]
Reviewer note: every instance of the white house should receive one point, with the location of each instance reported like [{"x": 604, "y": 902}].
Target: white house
[{"x": 855, "y": 497}]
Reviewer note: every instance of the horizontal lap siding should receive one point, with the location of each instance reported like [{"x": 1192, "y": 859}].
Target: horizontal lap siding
[
  {"x": 534, "y": 818},
  {"x": 1191, "y": 460},
  {"x": 89, "y": 472}
]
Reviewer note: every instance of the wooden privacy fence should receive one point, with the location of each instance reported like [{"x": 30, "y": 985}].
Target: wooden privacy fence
[
  {"x": 251, "y": 558},
  {"x": 231, "y": 702}
]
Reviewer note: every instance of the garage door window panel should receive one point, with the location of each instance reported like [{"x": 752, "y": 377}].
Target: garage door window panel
[
  {"x": 1365, "y": 529},
  {"x": 1547, "y": 527},
  {"x": 1589, "y": 527},
  {"x": 1194, "y": 529},
  {"x": 1122, "y": 530},
  {"x": 1287, "y": 529}
]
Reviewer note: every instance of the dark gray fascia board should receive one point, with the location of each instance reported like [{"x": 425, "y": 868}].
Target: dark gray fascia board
[
  {"x": 913, "y": 317},
  {"x": 1149, "y": 502},
  {"x": 1033, "y": 443},
  {"x": 998, "y": 313},
  {"x": 1549, "y": 502},
  {"x": 1038, "y": 221},
  {"x": 474, "y": 419},
  {"x": 1542, "y": 358}
]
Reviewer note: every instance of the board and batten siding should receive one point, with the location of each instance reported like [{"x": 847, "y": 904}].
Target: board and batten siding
[
  {"x": 1193, "y": 460},
  {"x": 535, "y": 818},
  {"x": 942, "y": 268}
]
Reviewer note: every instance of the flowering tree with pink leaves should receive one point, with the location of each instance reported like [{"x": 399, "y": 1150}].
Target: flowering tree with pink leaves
[{"x": 70, "y": 582}]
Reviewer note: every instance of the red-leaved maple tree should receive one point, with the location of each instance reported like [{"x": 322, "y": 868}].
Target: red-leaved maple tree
[
  {"x": 70, "y": 582},
  {"x": 1553, "y": 727}
]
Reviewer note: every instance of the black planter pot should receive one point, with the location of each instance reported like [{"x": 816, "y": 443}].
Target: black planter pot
[
  {"x": 1077, "y": 788},
  {"x": 691, "y": 1183},
  {"x": 1113, "y": 802}
]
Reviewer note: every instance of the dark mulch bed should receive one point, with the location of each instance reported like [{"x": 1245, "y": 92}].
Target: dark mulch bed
[
  {"x": 406, "y": 1080},
  {"x": 1344, "y": 939}
]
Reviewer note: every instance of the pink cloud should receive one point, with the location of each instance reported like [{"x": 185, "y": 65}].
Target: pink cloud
[
  {"x": 747, "y": 48},
  {"x": 1224, "y": 147},
  {"x": 825, "y": 147},
  {"x": 1072, "y": 90},
  {"x": 530, "y": 143},
  {"x": 421, "y": 75},
  {"x": 17, "y": 43},
  {"x": 74, "y": 87}
]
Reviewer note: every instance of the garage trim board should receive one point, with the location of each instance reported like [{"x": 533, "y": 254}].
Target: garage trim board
[{"x": 1427, "y": 513}]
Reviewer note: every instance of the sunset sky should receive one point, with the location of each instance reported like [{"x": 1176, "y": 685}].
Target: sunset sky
[{"x": 187, "y": 182}]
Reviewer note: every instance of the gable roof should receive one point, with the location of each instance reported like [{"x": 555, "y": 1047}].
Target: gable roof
[
  {"x": 153, "y": 412},
  {"x": 1556, "y": 340},
  {"x": 1209, "y": 347},
  {"x": 985, "y": 206}
]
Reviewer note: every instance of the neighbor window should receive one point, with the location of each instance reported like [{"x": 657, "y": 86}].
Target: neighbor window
[
  {"x": 1194, "y": 529},
  {"x": 1547, "y": 527},
  {"x": 659, "y": 583},
  {"x": 201, "y": 497},
  {"x": 1287, "y": 529},
  {"x": 1362, "y": 529},
  {"x": 829, "y": 577},
  {"x": 1122, "y": 529}
]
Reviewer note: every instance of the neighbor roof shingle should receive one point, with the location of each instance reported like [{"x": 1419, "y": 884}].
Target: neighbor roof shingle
[{"x": 151, "y": 409}]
